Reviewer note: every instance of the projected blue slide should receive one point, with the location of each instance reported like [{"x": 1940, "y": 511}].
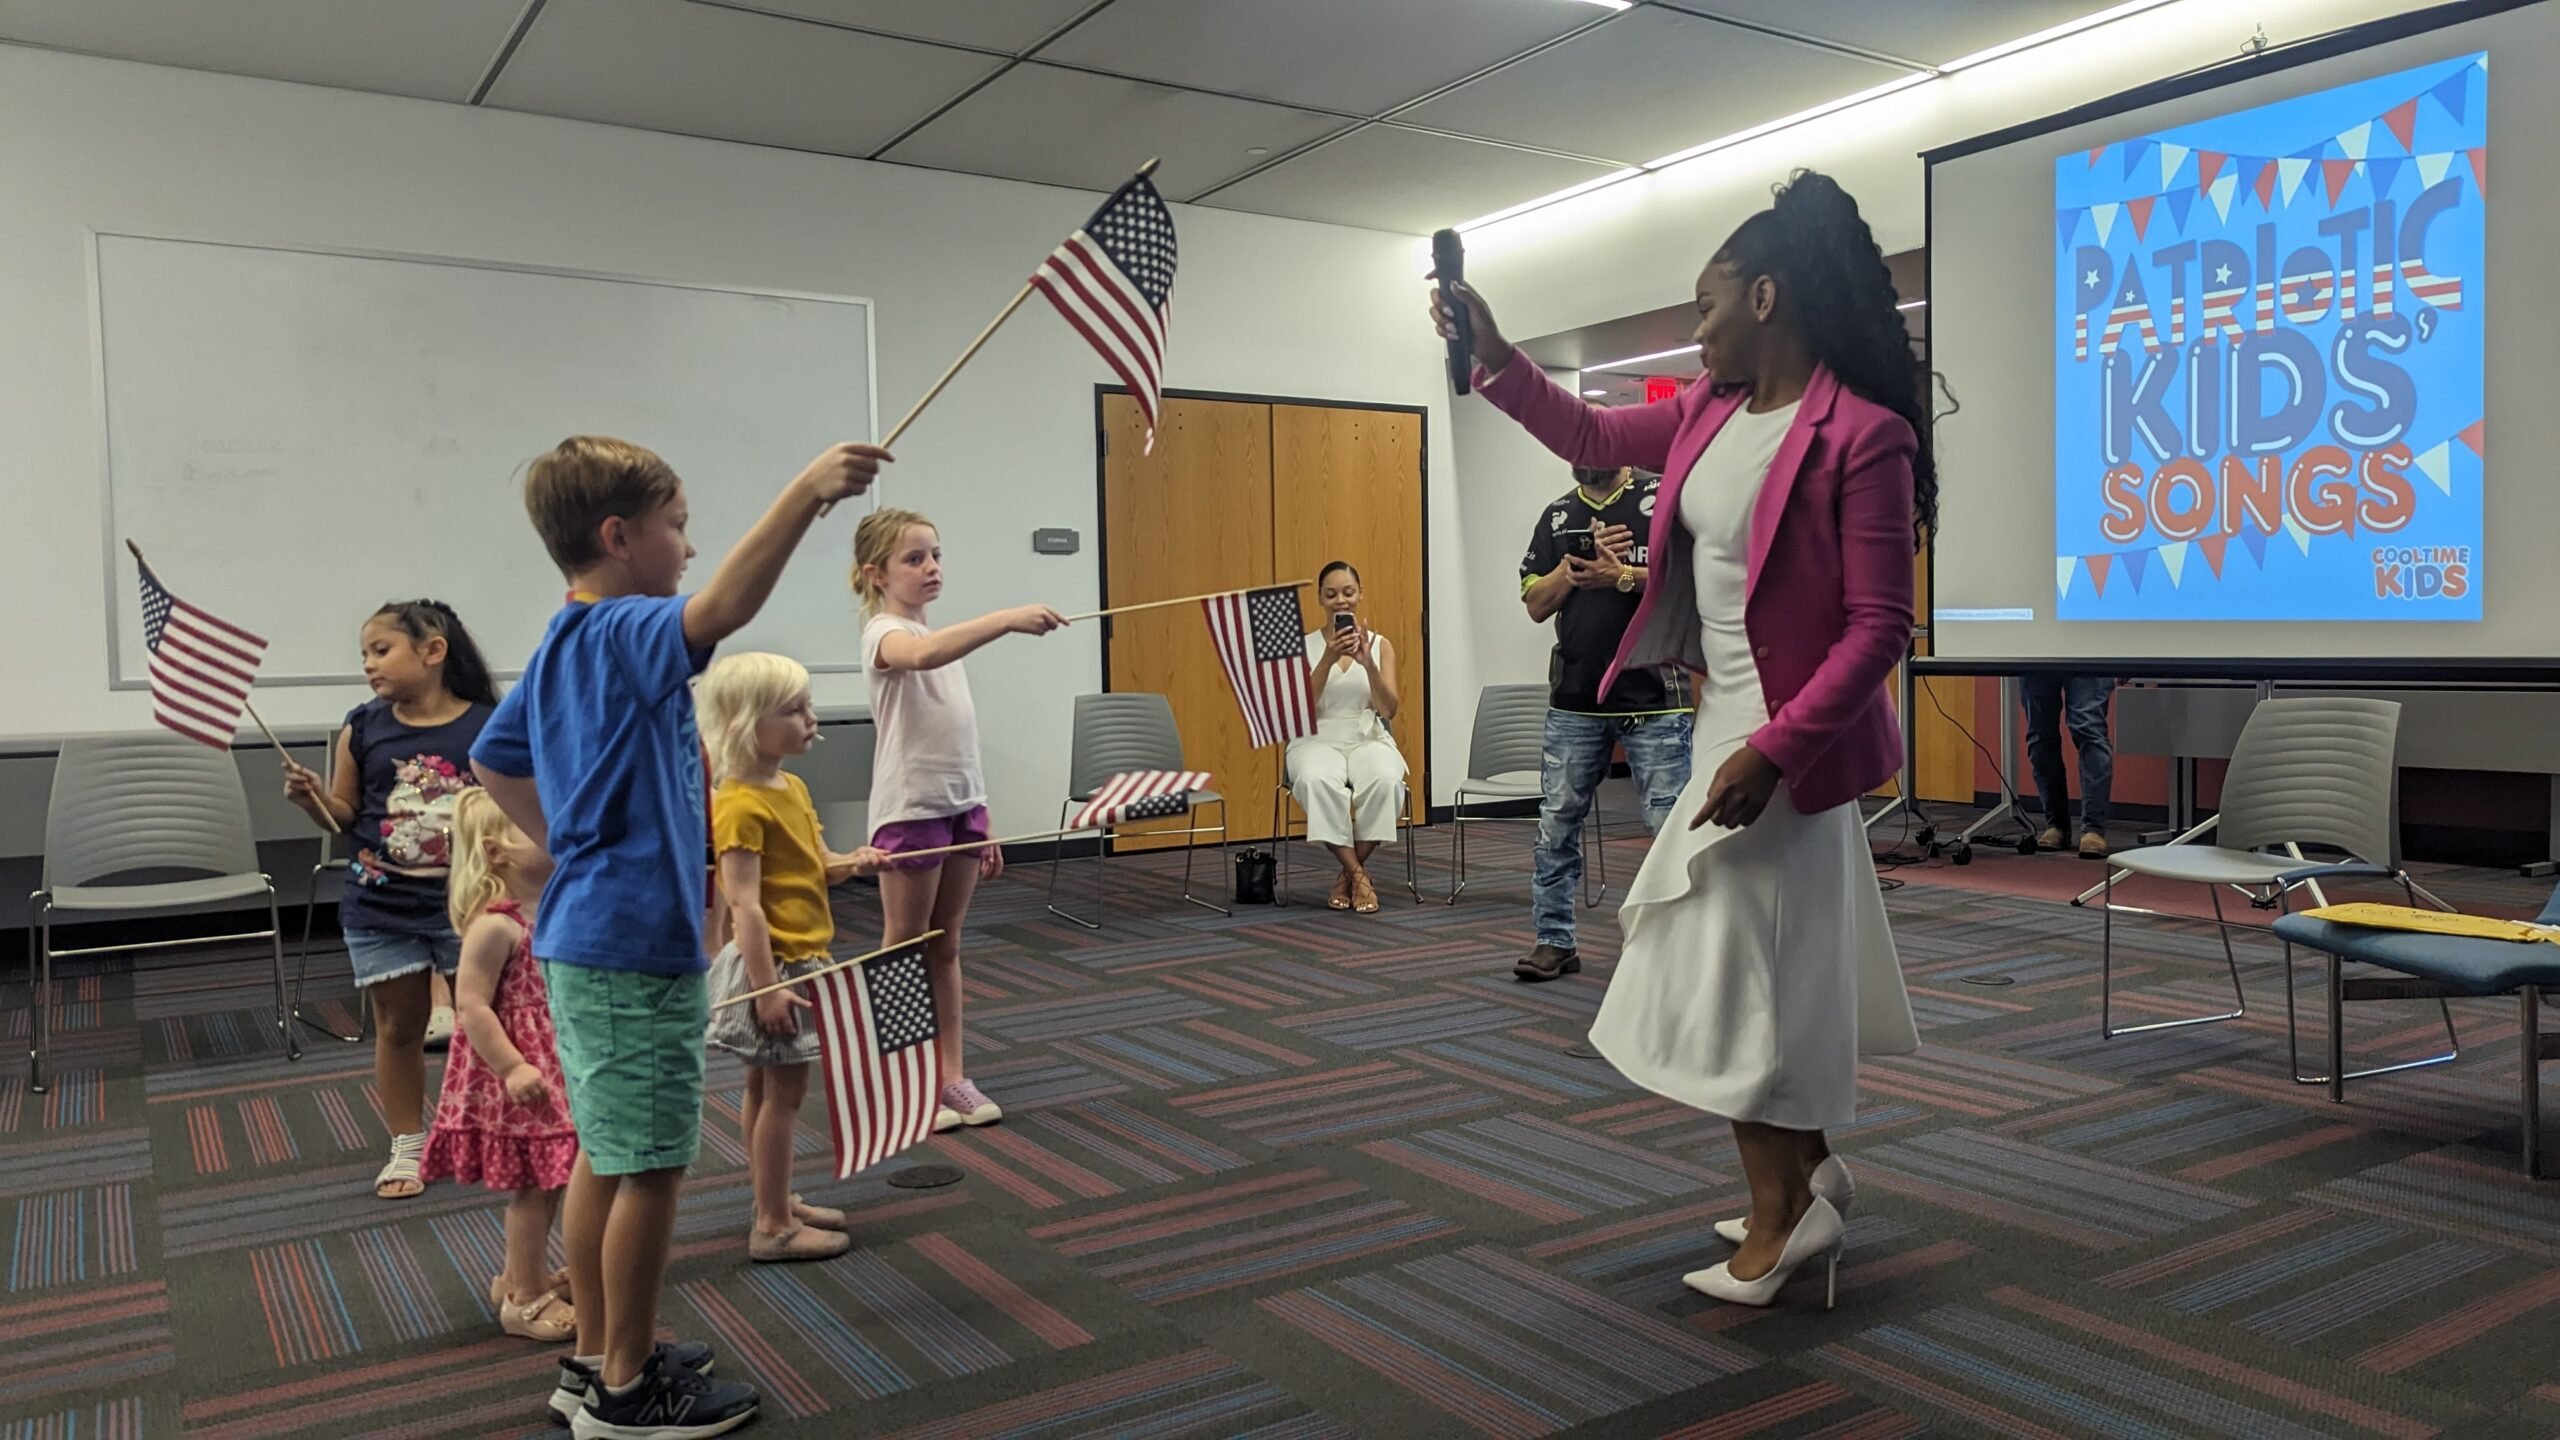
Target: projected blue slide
[{"x": 2267, "y": 394}]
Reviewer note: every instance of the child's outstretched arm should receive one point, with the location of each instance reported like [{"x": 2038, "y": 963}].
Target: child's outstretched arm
[
  {"x": 742, "y": 882},
  {"x": 902, "y": 651},
  {"x": 519, "y": 799},
  {"x": 485, "y": 948},
  {"x": 332, "y": 801},
  {"x": 746, "y": 577}
]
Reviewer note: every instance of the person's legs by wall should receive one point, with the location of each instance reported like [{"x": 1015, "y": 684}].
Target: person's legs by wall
[
  {"x": 1574, "y": 760},
  {"x": 2087, "y": 700},
  {"x": 2042, "y": 697}
]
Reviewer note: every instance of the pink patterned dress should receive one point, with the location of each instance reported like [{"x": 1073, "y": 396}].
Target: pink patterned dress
[{"x": 479, "y": 1135}]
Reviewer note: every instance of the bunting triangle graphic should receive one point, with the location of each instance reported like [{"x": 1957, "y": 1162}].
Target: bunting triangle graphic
[
  {"x": 2069, "y": 220},
  {"x": 2171, "y": 157},
  {"x": 2105, "y": 216},
  {"x": 2300, "y": 537},
  {"x": 2180, "y": 202},
  {"x": 2140, "y": 210},
  {"x": 2335, "y": 174},
  {"x": 2135, "y": 562},
  {"x": 2355, "y": 140},
  {"x": 2134, "y": 153},
  {"x": 2480, "y": 171},
  {"x": 2096, "y": 154},
  {"x": 2402, "y": 121},
  {"x": 2475, "y": 437},
  {"x": 2173, "y": 558},
  {"x": 2256, "y": 540},
  {"x": 2431, "y": 168},
  {"x": 2293, "y": 168},
  {"x": 2212, "y": 546},
  {"x": 2455, "y": 93},
  {"x": 2437, "y": 465},
  {"x": 2223, "y": 189},
  {"x": 2382, "y": 170},
  {"x": 2208, "y": 165},
  {"x": 2063, "y": 566},
  {"x": 2098, "y": 572},
  {"x": 2264, "y": 183}
]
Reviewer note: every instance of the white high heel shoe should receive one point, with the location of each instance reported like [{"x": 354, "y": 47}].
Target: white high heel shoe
[
  {"x": 1829, "y": 1181},
  {"x": 1816, "y": 1237}
]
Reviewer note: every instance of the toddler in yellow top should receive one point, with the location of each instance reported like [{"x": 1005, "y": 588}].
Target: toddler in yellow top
[{"x": 775, "y": 868}]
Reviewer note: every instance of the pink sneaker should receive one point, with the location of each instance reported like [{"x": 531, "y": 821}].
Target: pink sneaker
[{"x": 963, "y": 1103}]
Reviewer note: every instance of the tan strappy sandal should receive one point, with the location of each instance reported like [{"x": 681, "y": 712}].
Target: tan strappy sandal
[{"x": 1340, "y": 899}]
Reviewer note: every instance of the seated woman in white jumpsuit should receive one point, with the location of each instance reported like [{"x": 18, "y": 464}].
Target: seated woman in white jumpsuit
[{"x": 1348, "y": 776}]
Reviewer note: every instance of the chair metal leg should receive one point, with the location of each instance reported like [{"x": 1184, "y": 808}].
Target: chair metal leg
[
  {"x": 39, "y": 988},
  {"x": 2536, "y": 1048},
  {"x": 2337, "y": 1076},
  {"x": 1457, "y": 844},
  {"x": 1412, "y": 875},
  {"x": 2376, "y": 990},
  {"x": 285, "y": 1026},
  {"x": 1280, "y": 845},
  {"x": 1057, "y": 859},
  {"x": 302, "y": 973},
  {"x": 1188, "y": 851},
  {"x": 2107, "y": 1027}
]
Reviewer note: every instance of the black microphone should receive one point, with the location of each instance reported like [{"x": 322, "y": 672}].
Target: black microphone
[{"x": 1449, "y": 258}]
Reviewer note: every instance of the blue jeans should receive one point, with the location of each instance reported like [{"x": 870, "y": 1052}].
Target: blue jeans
[
  {"x": 1576, "y": 761},
  {"x": 2080, "y": 703}
]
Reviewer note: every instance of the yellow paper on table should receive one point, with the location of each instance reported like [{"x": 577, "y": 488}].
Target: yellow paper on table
[{"x": 2433, "y": 922}]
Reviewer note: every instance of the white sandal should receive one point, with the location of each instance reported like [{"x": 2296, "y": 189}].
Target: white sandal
[{"x": 402, "y": 1167}]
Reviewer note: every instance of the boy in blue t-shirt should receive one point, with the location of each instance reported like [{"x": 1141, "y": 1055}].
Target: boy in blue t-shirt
[{"x": 594, "y": 755}]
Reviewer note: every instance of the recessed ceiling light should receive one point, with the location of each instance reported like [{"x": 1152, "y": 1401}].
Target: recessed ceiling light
[
  {"x": 2042, "y": 37},
  {"x": 1258, "y": 151},
  {"x": 1595, "y": 394},
  {"x": 1688, "y": 350},
  {"x": 1610, "y": 4},
  {"x": 1912, "y": 305}
]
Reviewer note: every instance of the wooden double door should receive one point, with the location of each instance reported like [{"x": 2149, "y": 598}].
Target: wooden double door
[{"x": 1240, "y": 493}]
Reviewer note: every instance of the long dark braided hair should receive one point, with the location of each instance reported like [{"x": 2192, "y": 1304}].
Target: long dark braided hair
[
  {"x": 466, "y": 674},
  {"x": 1827, "y": 263}
]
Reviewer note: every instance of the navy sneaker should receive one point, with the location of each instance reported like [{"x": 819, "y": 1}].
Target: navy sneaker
[
  {"x": 669, "y": 1403},
  {"x": 577, "y": 1380}
]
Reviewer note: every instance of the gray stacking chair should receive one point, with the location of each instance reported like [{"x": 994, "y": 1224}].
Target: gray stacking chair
[
  {"x": 1506, "y": 760},
  {"x": 1132, "y": 730},
  {"x": 2311, "y": 771},
  {"x": 138, "y": 806}
]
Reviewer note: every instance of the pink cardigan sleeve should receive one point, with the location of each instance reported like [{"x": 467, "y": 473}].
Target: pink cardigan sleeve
[
  {"x": 1577, "y": 431},
  {"x": 1876, "y": 581}
]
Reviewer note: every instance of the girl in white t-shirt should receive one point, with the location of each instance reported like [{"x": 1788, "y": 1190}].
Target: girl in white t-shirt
[{"x": 927, "y": 791}]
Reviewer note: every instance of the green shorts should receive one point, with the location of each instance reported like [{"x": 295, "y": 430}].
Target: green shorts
[{"x": 631, "y": 1049}]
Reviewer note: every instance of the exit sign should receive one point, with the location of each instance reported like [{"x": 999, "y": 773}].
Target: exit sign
[{"x": 1659, "y": 387}]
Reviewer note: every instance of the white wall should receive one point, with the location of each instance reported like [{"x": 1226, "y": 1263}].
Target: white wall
[
  {"x": 1507, "y": 480},
  {"x": 1637, "y": 246},
  {"x": 1264, "y": 306}
]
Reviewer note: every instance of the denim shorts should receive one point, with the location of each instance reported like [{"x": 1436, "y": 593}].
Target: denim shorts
[
  {"x": 379, "y": 955},
  {"x": 630, "y": 1048}
]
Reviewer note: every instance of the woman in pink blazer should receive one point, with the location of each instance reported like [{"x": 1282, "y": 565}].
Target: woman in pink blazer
[{"x": 1796, "y": 480}]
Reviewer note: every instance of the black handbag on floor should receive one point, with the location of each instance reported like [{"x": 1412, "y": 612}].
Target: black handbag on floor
[{"x": 1256, "y": 870}]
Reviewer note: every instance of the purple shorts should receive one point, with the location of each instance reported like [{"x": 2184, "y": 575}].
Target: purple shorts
[{"x": 930, "y": 834}]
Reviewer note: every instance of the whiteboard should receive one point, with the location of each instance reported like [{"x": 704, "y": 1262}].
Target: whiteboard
[{"x": 295, "y": 437}]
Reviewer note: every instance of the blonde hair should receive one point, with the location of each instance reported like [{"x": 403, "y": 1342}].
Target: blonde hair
[
  {"x": 734, "y": 694},
  {"x": 875, "y": 544},
  {"x": 473, "y": 884},
  {"x": 584, "y": 481}
]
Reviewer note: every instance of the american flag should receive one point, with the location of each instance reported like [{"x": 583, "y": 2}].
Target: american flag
[
  {"x": 1113, "y": 280},
  {"x": 201, "y": 667},
  {"x": 883, "y": 1071},
  {"x": 1140, "y": 795},
  {"x": 1261, "y": 639}
]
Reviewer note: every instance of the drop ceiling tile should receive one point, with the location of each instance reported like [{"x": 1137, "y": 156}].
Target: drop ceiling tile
[
  {"x": 394, "y": 47},
  {"x": 1007, "y": 25},
  {"x": 1065, "y": 127},
  {"x": 1929, "y": 31},
  {"x": 1359, "y": 56},
  {"x": 1652, "y": 82},
  {"x": 1385, "y": 178},
  {"x": 728, "y": 75}
]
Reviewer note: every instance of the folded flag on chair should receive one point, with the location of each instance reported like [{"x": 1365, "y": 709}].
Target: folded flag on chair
[
  {"x": 1140, "y": 795},
  {"x": 2433, "y": 922},
  {"x": 1261, "y": 638},
  {"x": 878, "y": 1060},
  {"x": 201, "y": 667}
]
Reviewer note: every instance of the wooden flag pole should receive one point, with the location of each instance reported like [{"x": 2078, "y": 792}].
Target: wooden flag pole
[
  {"x": 823, "y": 970},
  {"x": 1185, "y": 600},
  {"x": 967, "y": 355},
  {"x": 252, "y": 711}
]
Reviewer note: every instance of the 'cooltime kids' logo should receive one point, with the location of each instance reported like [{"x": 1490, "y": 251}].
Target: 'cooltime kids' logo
[{"x": 2269, "y": 359}]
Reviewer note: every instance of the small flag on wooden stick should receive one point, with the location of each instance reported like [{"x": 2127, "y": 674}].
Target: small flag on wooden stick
[
  {"x": 879, "y": 1061},
  {"x": 1140, "y": 795},
  {"x": 1113, "y": 281},
  {"x": 1261, "y": 640},
  {"x": 201, "y": 666}
]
